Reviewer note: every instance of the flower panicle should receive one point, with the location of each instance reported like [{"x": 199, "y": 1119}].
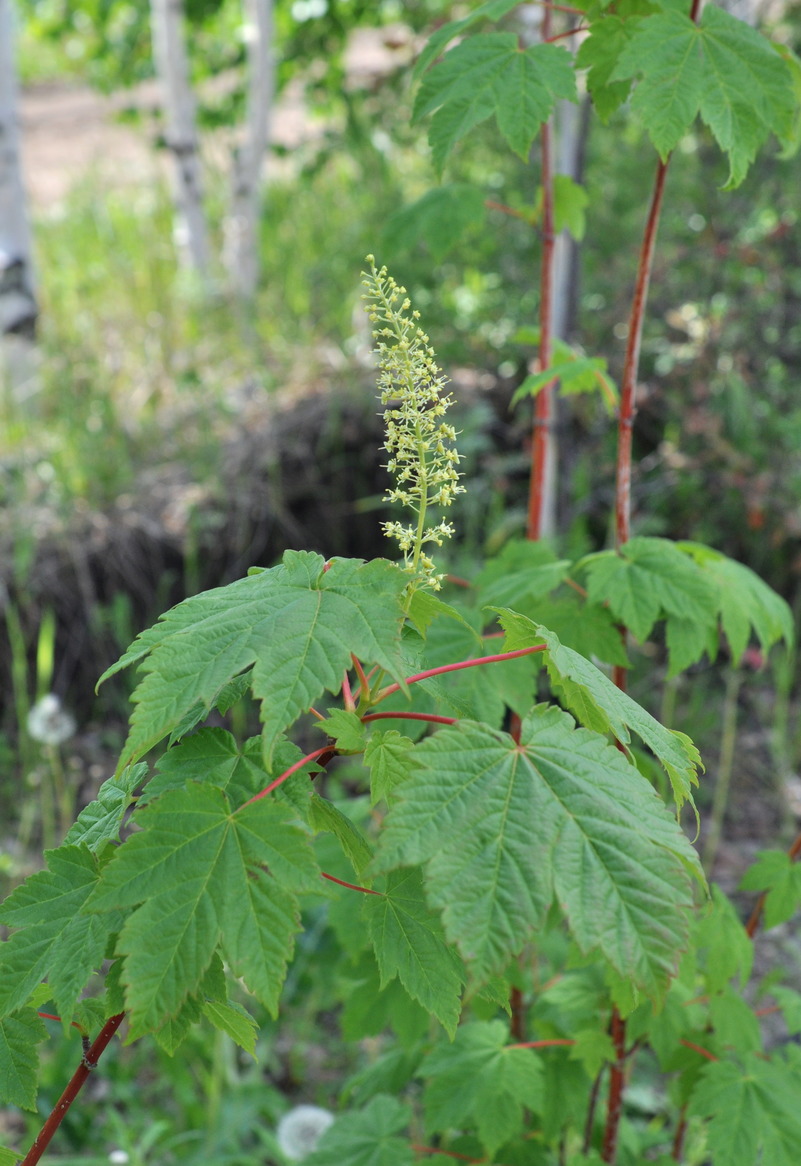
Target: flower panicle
[{"x": 423, "y": 458}]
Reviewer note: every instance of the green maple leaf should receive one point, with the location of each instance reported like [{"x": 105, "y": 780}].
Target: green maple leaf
[
  {"x": 720, "y": 68},
  {"x": 370, "y": 1137},
  {"x": 57, "y": 939},
  {"x": 599, "y": 53},
  {"x": 724, "y": 943},
  {"x": 584, "y": 627},
  {"x": 296, "y": 625},
  {"x": 389, "y": 757},
  {"x": 19, "y": 1061},
  {"x": 213, "y": 756},
  {"x": 601, "y": 705},
  {"x": 480, "y": 1081},
  {"x": 195, "y": 877},
  {"x": 370, "y": 1009},
  {"x": 650, "y": 579},
  {"x": 504, "y": 827},
  {"x": 752, "y": 1110},
  {"x": 324, "y": 816},
  {"x": 745, "y": 601},
  {"x": 777, "y": 874},
  {"x": 100, "y": 821},
  {"x": 408, "y": 943},
  {"x": 490, "y": 10},
  {"x": 524, "y": 570},
  {"x": 8, "y": 1157},
  {"x": 346, "y": 729},
  {"x": 175, "y": 1030},
  {"x": 489, "y": 76},
  {"x": 232, "y": 1019}
]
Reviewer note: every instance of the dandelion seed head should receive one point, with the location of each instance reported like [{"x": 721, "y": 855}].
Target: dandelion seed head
[
  {"x": 49, "y": 722},
  {"x": 300, "y": 1130}
]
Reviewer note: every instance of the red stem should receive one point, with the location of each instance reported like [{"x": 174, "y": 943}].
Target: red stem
[
  {"x": 288, "y": 773},
  {"x": 628, "y": 390},
  {"x": 364, "y": 687},
  {"x": 89, "y": 1062},
  {"x": 461, "y": 664},
  {"x": 350, "y": 886},
  {"x": 491, "y": 205},
  {"x": 50, "y": 1016},
  {"x": 677, "y": 1149},
  {"x": 562, "y": 35},
  {"x": 614, "y": 1107},
  {"x": 688, "y": 1044},
  {"x": 435, "y": 720},
  {"x": 543, "y": 406}
]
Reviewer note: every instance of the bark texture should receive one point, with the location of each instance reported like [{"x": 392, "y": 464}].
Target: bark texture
[
  {"x": 172, "y": 67},
  {"x": 242, "y": 225},
  {"x": 18, "y": 308}
]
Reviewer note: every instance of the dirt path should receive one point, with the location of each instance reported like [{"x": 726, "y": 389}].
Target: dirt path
[{"x": 70, "y": 132}]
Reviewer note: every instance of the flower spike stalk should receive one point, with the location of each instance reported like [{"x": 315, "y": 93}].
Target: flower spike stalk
[{"x": 420, "y": 443}]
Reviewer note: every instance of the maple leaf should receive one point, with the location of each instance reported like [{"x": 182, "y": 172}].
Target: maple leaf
[
  {"x": 57, "y": 939},
  {"x": 721, "y": 68},
  {"x": 601, "y": 705},
  {"x": 19, "y": 1061},
  {"x": 599, "y": 52},
  {"x": 195, "y": 877},
  {"x": 490, "y": 76},
  {"x": 504, "y": 827},
  {"x": 367, "y": 1138},
  {"x": 480, "y": 1081},
  {"x": 100, "y": 821},
  {"x": 648, "y": 579},
  {"x": 296, "y": 625},
  {"x": 389, "y": 758},
  {"x": 408, "y": 943},
  {"x": 524, "y": 570},
  {"x": 780, "y": 877},
  {"x": 745, "y": 602},
  {"x": 752, "y": 1109}
]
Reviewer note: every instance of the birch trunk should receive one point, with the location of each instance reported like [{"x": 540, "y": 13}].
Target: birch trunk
[
  {"x": 172, "y": 67},
  {"x": 18, "y": 308},
  {"x": 241, "y": 252}
]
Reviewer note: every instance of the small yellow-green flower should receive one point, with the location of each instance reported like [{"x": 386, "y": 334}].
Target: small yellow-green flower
[{"x": 420, "y": 444}]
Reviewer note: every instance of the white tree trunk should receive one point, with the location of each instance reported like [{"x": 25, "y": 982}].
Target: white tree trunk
[
  {"x": 172, "y": 67},
  {"x": 242, "y": 225},
  {"x": 18, "y": 309}
]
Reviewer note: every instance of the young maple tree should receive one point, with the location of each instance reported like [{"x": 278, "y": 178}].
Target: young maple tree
[{"x": 520, "y": 880}]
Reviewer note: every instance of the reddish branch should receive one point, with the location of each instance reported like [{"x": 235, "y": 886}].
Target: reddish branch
[
  {"x": 350, "y": 886},
  {"x": 461, "y": 664},
  {"x": 677, "y": 1149},
  {"x": 402, "y": 716},
  {"x": 316, "y": 755},
  {"x": 88, "y": 1063},
  {"x": 617, "y": 1078},
  {"x": 628, "y": 390},
  {"x": 688, "y": 1044}
]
